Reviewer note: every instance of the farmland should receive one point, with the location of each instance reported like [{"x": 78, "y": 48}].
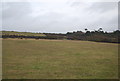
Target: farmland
[
  {"x": 97, "y": 36},
  {"x": 20, "y": 33},
  {"x": 59, "y": 59}
]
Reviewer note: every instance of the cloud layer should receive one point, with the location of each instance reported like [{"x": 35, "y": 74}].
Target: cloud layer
[{"x": 59, "y": 16}]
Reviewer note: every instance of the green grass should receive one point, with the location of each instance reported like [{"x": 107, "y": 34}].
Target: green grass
[
  {"x": 21, "y": 33},
  {"x": 59, "y": 59}
]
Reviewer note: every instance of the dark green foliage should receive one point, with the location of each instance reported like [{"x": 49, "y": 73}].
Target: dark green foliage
[{"x": 97, "y": 36}]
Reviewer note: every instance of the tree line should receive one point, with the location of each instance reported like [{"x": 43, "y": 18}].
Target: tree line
[{"x": 96, "y": 35}]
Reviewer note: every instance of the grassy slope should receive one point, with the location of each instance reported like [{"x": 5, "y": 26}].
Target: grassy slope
[
  {"x": 22, "y": 33},
  {"x": 59, "y": 59}
]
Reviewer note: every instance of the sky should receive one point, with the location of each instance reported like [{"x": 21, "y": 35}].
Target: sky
[{"x": 58, "y": 16}]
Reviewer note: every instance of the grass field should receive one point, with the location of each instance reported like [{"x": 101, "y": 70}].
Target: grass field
[
  {"x": 39, "y": 59},
  {"x": 20, "y": 33}
]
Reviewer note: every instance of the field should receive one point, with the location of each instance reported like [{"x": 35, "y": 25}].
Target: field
[
  {"x": 20, "y": 33},
  {"x": 59, "y": 59}
]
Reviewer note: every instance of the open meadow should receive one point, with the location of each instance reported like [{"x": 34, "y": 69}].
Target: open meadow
[
  {"x": 59, "y": 59},
  {"x": 20, "y": 33}
]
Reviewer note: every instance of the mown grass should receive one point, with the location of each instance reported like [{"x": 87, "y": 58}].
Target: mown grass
[
  {"x": 21, "y": 33},
  {"x": 59, "y": 59}
]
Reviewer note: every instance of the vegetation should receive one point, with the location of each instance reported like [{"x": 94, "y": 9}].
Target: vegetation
[
  {"x": 97, "y": 35},
  {"x": 63, "y": 59},
  {"x": 21, "y": 33}
]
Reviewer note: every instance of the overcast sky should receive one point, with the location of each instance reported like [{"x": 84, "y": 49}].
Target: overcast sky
[{"x": 59, "y": 16}]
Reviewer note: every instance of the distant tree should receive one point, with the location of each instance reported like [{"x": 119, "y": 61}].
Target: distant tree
[
  {"x": 86, "y": 29},
  {"x": 80, "y": 32},
  {"x": 69, "y": 33},
  {"x": 74, "y": 32},
  {"x": 88, "y": 33},
  {"x": 100, "y": 29},
  {"x": 117, "y": 32},
  {"x": 106, "y": 32}
]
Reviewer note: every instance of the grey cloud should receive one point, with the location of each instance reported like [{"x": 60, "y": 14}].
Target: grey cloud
[
  {"x": 119, "y": 15},
  {"x": 75, "y": 4},
  {"x": 73, "y": 16},
  {"x": 0, "y": 16},
  {"x": 95, "y": 6},
  {"x": 102, "y": 7},
  {"x": 15, "y": 9},
  {"x": 15, "y": 15}
]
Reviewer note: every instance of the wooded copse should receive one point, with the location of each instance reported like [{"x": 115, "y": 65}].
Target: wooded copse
[{"x": 97, "y": 35}]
